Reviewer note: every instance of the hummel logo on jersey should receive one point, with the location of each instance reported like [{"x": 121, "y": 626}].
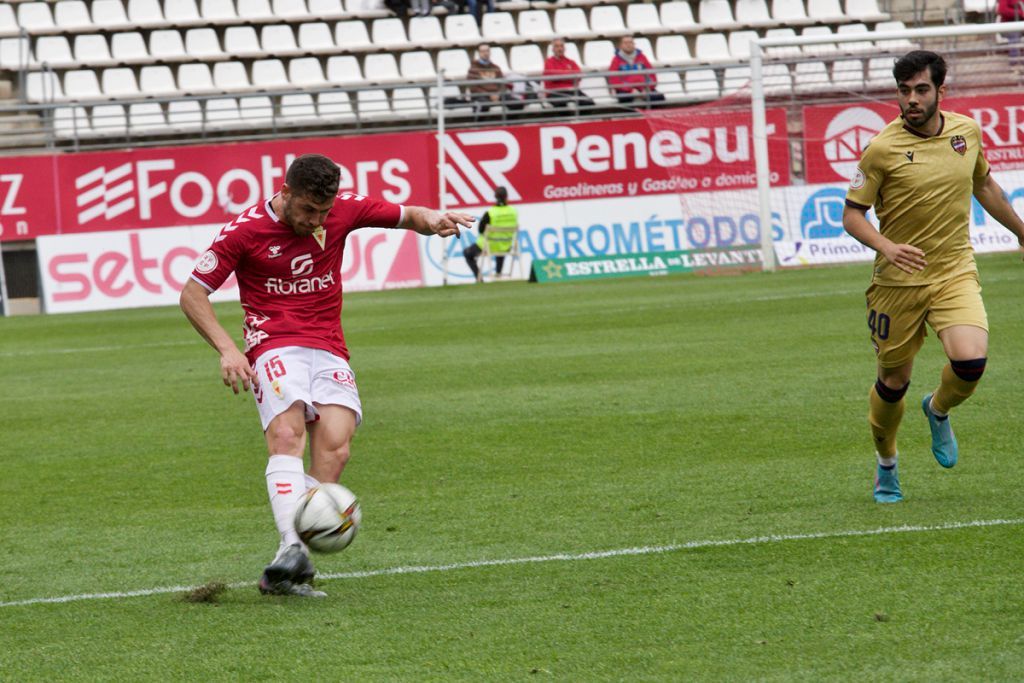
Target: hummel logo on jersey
[
  {"x": 274, "y": 251},
  {"x": 909, "y": 156}
]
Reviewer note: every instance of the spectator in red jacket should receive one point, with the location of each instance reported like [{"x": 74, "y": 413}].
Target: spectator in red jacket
[
  {"x": 562, "y": 91},
  {"x": 1011, "y": 10},
  {"x": 634, "y": 84}
]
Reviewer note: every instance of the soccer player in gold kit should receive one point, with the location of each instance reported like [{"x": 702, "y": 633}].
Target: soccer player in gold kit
[{"x": 919, "y": 174}]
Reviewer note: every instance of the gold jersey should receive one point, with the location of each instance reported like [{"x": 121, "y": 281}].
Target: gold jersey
[{"x": 921, "y": 189}]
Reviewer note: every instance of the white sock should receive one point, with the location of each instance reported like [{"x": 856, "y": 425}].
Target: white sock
[
  {"x": 887, "y": 462},
  {"x": 311, "y": 482},
  {"x": 931, "y": 407},
  {"x": 286, "y": 482}
]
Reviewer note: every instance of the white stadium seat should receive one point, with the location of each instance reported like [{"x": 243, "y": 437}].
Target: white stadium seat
[
  {"x": 145, "y": 13},
  {"x": 606, "y": 20},
  {"x": 499, "y": 59},
  {"x": 255, "y": 10},
  {"x": 54, "y": 51},
  {"x": 498, "y": 26},
  {"x": 739, "y": 44},
  {"x": 222, "y": 112},
  {"x": 166, "y": 44},
  {"x": 819, "y": 48},
  {"x": 241, "y": 41},
  {"x": 526, "y": 59},
  {"x": 461, "y": 29},
  {"x": 256, "y": 110},
  {"x": 811, "y": 77},
  {"x": 644, "y": 45},
  {"x": 788, "y": 51},
  {"x": 573, "y": 53},
  {"x": 109, "y": 119},
  {"x": 672, "y": 50},
  {"x": 372, "y": 104},
  {"x": 344, "y": 70},
  {"x": 195, "y": 78},
  {"x": 848, "y": 74},
  {"x": 454, "y": 62},
  {"x": 71, "y": 15},
  {"x": 671, "y": 86},
  {"x": 119, "y": 82},
  {"x": 334, "y": 107},
  {"x": 218, "y": 11},
  {"x": 352, "y": 35},
  {"x": 865, "y": 10},
  {"x": 854, "y": 46},
  {"x": 643, "y": 18},
  {"x": 71, "y": 122},
  {"x": 184, "y": 115},
  {"x": 734, "y": 79},
  {"x": 417, "y": 66},
  {"x": 182, "y": 13},
  {"x": 305, "y": 72},
  {"x": 15, "y": 53},
  {"x": 677, "y": 16},
  {"x": 290, "y": 9},
  {"x": 753, "y": 13},
  {"x": 269, "y": 74},
  {"x": 426, "y": 32},
  {"x": 316, "y": 37},
  {"x": 535, "y": 24},
  {"x": 109, "y": 14},
  {"x": 777, "y": 79},
  {"x": 35, "y": 16},
  {"x": 230, "y": 76},
  {"x": 388, "y": 32},
  {"x": 278, "y": 39},
  {"x": 409, "y": 102},
  {"x": 571, "y": 22},
  {"x": 825, "y": 11},
  {"x": 712, "y": 48},
  {"x": 8, "y": 22},
  {"x": 880, "y": 73},
  {"x": 381, "y": 68},
  {"x": 716, "y": 14},
  {"x": 328, "y": 9},
  {"x": 701, "y": 83},
  {"x": 598, "y": 54},
  {"x": 157, "y": 80},
  {"x": 898, "y": 45},
  {"x": 43, "y": 86},
  {"x": 596, "y": 88},
  {"x": 202, "y": 43},
  {"x": 91, "y": 48},
  {"x": 789, "y": 12},
  {"x": 128, "y": 47},
  {"x": 146, "y": 117},
  {"x": 81, "y": 84},
  {"x": 298, "y": 108}
]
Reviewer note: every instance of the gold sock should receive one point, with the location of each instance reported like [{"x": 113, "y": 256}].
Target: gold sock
[
  {"x": 959, "y": 380},
  {"x": 884, "y": 417}
]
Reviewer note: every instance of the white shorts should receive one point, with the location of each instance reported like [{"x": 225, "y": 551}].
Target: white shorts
[{"x": 296, "y": 373}]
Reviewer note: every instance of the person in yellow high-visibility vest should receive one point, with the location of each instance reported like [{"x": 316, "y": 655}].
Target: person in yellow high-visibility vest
[{"x": 501, "y": 215}]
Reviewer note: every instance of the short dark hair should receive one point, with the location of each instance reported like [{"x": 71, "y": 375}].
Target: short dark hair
[
  {"x": 913, "y": 63},
  {"x": 314, "y": 176},
  {"x": 500, "y": 194}
]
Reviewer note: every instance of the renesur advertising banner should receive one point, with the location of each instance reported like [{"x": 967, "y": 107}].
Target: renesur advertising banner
[
  {"x": 834, "y": 135},
  {"x": 209, "y": 184},
  {"x": 132, "y": 268}
]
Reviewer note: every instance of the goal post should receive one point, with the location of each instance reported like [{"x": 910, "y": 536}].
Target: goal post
[{"x": 759, "y": 48}]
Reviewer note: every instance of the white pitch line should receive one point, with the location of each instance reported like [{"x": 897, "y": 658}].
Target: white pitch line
[
  {"x": 561, "y": 557},
  {"x": 94, "y": 349}
]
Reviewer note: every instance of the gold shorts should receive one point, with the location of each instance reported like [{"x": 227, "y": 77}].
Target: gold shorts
[{"x": 897, "y": 315}]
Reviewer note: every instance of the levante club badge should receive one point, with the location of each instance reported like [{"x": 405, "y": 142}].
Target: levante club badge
[{"x": 959, "y": 144}]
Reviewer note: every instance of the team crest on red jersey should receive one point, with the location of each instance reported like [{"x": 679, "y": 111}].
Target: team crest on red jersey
[
  {"x": 320, "y": 235},
  {"x": 959, "y": 144}
]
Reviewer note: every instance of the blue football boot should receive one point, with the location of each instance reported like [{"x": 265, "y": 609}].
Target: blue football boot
[
  {"x": 887, "y": 485},
  {"x": 944, "y": 446}
]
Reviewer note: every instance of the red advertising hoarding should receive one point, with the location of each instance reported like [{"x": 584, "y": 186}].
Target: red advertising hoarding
[{"x": 834, "y": 135}]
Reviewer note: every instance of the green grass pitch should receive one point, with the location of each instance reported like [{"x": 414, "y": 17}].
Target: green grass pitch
[{"x": 511, "y": 421}]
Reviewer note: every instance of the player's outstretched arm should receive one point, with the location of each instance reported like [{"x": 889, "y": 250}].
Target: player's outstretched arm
[
  {"x": 430, "y": 222},
  {"x": 994, "y": 200},
  {"x": 234, "y": 368},
  {"x": 906, "y": 257}
]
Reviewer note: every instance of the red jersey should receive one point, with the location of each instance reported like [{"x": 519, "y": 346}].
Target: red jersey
[
  {"x": 555, "y": 66},
  {"x": 290, "y": 286}
]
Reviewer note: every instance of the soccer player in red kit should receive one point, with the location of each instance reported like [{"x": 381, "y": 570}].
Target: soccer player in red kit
[{"x": 286, "y": 252}]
